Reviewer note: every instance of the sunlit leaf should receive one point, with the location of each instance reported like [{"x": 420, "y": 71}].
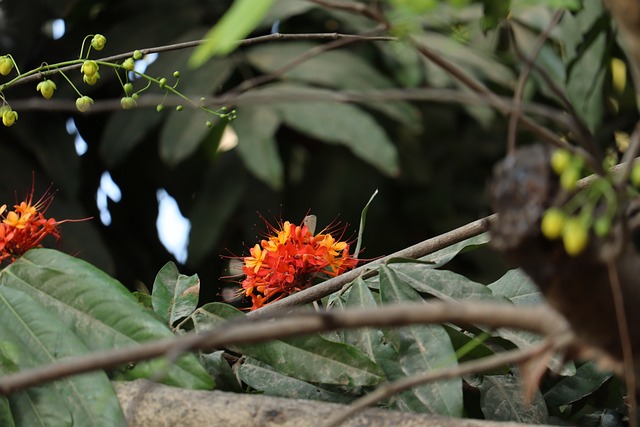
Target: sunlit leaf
[
  {"x": 240, "y": 20},
  {"x": 443, "y": 256},
  {"x": 102, "y": 313}
]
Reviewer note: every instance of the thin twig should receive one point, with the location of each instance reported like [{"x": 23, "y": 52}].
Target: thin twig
[
  {"x": 625, "y": 341},
  {"x": 541, "y": 320},
  {"x": 524, "y": 76},
  {"x": 473, "y": 367},
  {"x": 194, "y": 43}
]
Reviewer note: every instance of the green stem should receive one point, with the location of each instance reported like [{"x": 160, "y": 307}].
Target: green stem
[{"x": 70, "y": 83}]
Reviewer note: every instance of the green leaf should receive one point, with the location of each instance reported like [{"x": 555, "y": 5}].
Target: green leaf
[
  {"x": 587, "y": 379},
  {"x": 370, "y": 341},
  {"x": 264, "y": 378},
  {"x": 421, "y": 348},
  {"x": 256, "y": 128},
  {"x": 363, "y": 220},
  {"x": 6, "y": 419},
  {"x": 309, "y": 358},
  {"x": 442, "y": 284},
  {"x": 443, "y": 256},
  {"x": 241, "y": 19},
  {"x": 174, "y": 295},
  {"x": 517, "y": 287},
  {"x": 502, "y": 399},
  {"x": 41, "y": 338},
  {"x": 350, "y": 126},
  {"x": 224, "y": 375},
  {"x": 100, "y": 311}
]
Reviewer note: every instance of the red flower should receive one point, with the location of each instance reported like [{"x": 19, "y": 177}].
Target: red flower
[
  {"x": 290, "y": 260},
  {"x": 26, "y": 226}
]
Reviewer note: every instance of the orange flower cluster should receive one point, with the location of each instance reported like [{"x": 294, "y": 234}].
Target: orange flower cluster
[
  {"x": 290, "y": 260},
  {"x": 25, "y": 226}
]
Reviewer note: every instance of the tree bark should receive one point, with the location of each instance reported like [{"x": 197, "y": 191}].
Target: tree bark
[{"x": 147, "y": 404}]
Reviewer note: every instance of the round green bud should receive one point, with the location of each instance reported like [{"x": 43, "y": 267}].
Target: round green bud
[
  {"x": 6, "y": 65},
  {"x": 135, "y": 96},
  {"x": 179, "y": 108},
  {"x": 129, "y": 64},
  {"x": 552, "y": 223},
  {"x": 46, "y": 88},
  {"x": 89, "y": 68},
  {"x": 575, "y": 236},
  {"x": 569, "y": 178},
  {"x": 137, "y": 55},
  {"x": 560, "y": 160},
  {"x": 91, "y": 80},
  {"x": 159, "y": 107},
  {"x": 128, "y": 88},
  {"x": 128, "y": 103},
  {"x": 9, "y": 117},
  {"x": 209, "y": 124},
  {"x": 635, "y": 175},
  {"x": 83, "y": 103},
  {"x": 602, "y": 226},
  {"x": 162, "y": 82},
  {"x": 202, "y": 99},
  {"x": 176, "y": 74},
  {"x": 98, "y": 41}
]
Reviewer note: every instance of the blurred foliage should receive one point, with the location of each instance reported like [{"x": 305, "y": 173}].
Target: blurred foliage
[{"x": 300, "y": 151}]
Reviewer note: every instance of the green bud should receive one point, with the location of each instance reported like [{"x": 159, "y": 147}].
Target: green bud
[
  {"x": 159, "y": 108},
  {"x": 137, "y": 55},
  {"x": 602, "y": 226},
  {"x": 569, "y": 178},
  {"x": 179, "y": 108},
  {"x": 91, "y": 80},
  {"x": 135, "y": 96},
  {"x": 129, "y": 64},
  {"x": 553, "y": 221},
  {"x": 176, "y": 74},
  {"x": 98, "y": 41},
  {"x": 128, "y": 88},
  {"x": 128, "y": 103},
  {"x": 6, "y": 65},
  {"x": 9, "y": 117},
  {"x": 46, "y": 88},
  {"x": 162, "y": 82},
  {"x": 83, "y": 103},
  {"x": 635, "y": 175},
  {"x": 209, "y": 124},
  {"x": 89, "y": 68},
  {"x": 575, "y": 236},
  {"x": 560, "y": 160}
]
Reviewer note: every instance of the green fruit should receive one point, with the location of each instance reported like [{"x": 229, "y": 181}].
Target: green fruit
[
  {"x": 575, "y": 236},
  {"x": 552, "y": 224},
  {"x": 560, "y": 160}
]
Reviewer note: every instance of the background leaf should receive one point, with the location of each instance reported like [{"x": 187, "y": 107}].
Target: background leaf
[{"x": 174, "y": 295}]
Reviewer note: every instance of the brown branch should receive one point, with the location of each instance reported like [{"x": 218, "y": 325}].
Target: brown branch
[
  {"x": 541, "y": 320},
  {"x": 514, "y": 115},
  {"x": 473, "y": 367}
]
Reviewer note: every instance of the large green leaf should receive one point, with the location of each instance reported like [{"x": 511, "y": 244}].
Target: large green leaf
[
  {"x": 517, "y": 287},
  {"x": 444, "y": 255},
  {"x": 442, "y": 284},
  {"x": 264, "y": 378},
  {"x": 309, "y": 358},
  {"x": 587, "y": 379},
  {"x": 174, "y": 295},
  {"x": 350, "y": 126},
  {"x": 41, "y": 338},
  {"x": 256, "y": 128},
  {"x": 420, "y": 349},
  {"x": 502, "y": 399},
  {"x": 101, "y": 312}
]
